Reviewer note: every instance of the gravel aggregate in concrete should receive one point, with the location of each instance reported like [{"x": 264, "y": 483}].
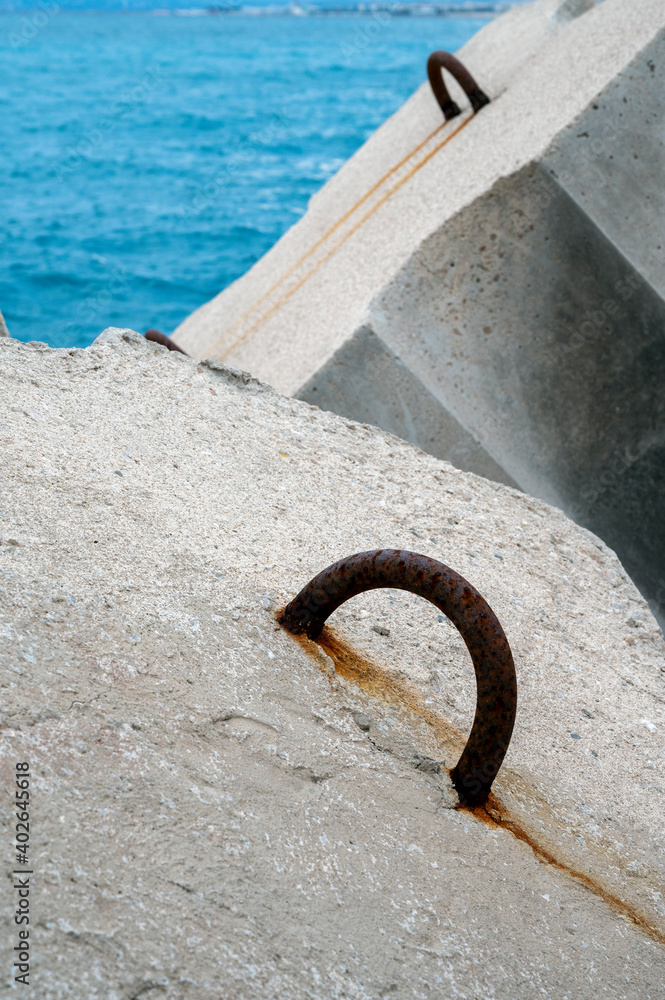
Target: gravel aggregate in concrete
[{"x": 219, "y": 810}]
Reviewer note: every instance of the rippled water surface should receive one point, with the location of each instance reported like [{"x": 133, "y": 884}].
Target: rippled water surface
[{"x": 149, "y": 161}]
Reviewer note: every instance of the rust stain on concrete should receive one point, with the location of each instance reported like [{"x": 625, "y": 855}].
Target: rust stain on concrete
[{"x": 398, "y": 695}]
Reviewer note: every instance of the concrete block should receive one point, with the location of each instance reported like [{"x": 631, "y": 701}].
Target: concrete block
[
  {"x": 220, "y": 810},
  {"x": 354, "y": 382},
  {"x": 512, "y": 263}
]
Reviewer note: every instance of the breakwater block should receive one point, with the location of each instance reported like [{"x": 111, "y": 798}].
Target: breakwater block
[
  {"x": 220, "y": 808},
  {"x": 492, "y": 289}
]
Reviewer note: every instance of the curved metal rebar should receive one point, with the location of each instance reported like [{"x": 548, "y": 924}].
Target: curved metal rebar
[
  {"x": 437, "y": 62},
  {"x": 157, "y": 337},
  {"x": 470, "y": 613}
]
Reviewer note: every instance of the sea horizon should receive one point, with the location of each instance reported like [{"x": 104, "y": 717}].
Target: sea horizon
[{"x": 407, "y": 8}]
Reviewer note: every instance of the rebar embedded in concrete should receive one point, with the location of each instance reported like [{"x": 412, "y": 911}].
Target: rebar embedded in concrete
[
  {"x": 160, "y": 338},
  {"x": 496, "y": 700},
  {"x": 437, "y": 62}
]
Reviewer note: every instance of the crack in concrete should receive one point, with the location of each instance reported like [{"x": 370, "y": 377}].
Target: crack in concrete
[{"x": 84, "y": 704}]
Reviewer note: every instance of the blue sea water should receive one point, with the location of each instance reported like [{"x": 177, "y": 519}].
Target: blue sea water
[{"x": 148, "y": 161}]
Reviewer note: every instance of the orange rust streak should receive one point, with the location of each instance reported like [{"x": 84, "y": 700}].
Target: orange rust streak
[
  {"x": 354, "y": 229},
  {"x": 499, "y": 817},
  {"x": 378, "y": 683},
  {"x": 329, "y": 232}
]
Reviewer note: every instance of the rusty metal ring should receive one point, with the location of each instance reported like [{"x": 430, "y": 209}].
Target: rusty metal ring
[
  {"x": 496, "y": 699},
  {"x": 437, "y": 62}
]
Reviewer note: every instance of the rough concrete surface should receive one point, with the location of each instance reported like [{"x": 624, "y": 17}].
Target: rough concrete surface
[
  {"x": 324, "y": 309},
  {"x": 495, "y": 288},
  {"x": 219, "y": 810}
]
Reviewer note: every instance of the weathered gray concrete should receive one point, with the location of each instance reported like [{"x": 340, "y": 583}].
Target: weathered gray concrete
[
  {"x": 211, "y": 814},
  {"x": 333, "y": 286},
  {"x": 4, "y": 332},
  {"x": 565, "y": 383},
  {"x": 354, "y": 383},
  {"x": 514, "y": 277}
]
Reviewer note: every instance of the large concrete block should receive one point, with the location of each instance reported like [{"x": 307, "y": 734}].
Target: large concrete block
[
  {"x": 354, "y": 382},
  {"x": 512, "y": 264},
  {"x": 219, "y": 810},
  {"x": 564, "y": 384}
]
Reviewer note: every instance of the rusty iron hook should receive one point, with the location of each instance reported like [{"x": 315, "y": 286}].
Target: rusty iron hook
[
  {"x": 437, "y": 62},
  {"x": 496, "y": 699}
]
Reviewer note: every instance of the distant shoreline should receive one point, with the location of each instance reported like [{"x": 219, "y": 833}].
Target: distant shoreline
[{"x": 359, "y": 10}]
